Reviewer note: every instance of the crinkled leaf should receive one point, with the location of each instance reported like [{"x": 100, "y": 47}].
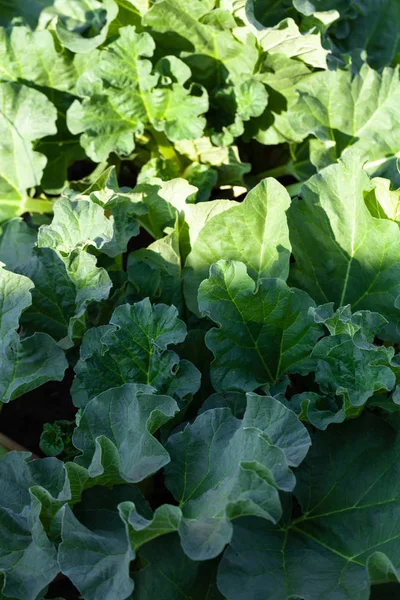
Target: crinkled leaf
[
  {"x": 122, "y": 94},
  {"x": 134, "y": 349},
  {"x": 354, "y": 371},
  {"x": 75, "y": 225},
  {"x": 263, "y": 332},
  {"x": 362, "y": 325}
]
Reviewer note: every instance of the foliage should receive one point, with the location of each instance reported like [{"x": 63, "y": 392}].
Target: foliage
[{"x": 199, "y": 211}]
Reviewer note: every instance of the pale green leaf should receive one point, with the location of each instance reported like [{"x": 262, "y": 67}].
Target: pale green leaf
[
  {"x": 26, "y": 115},
  {"x": 261, "y": 241},
  {"x": 343, "y": 254}
]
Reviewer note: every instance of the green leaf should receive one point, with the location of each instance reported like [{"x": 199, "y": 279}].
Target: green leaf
[
  {"x": 343, "y": 254},
  {"x": 164, "y": 200},
  {"x": 25, "y": 116},
  {"x": 222, "y": 468},
  {"x": 28, "y": 363},
  {"x": 155, "y": 272},
  {"x": 382, "y": 47},
  {"x": 286, "y": 38},
  {"x": 366, "y": 121},
  {"x": 15, "y": 297},
  {"x": 281, "y": 75},
  {"x": 16, "y": 243},
  {"x": 43, "y": 65},
  {"x": 133, "y": 350},
  {"x": 264, "y": 331},
  {"x": 382, "y": 201},
  {"x": 122, "y": 90},
  {"x": 348, "y": 529},
  {"x": 83, "y": 26},
  {"x": 261, "y": 241},
  {"x": 76, "y": 224},
  {"x": 354, "y": 371},
  {"x": 115, "y": 434},
  {"x": 362, "y": 325},
  {"x": 169, "y": 573},
  {"x": 95, "y": 553},
  {"x": 28, "y": 560},
  {"x": 212, "y": 54}
]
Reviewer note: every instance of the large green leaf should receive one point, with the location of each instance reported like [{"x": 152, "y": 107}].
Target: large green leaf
[
  {"x": 342, "y": 253},
  {"x": 42, "y": 65},
  {"x": 222, "y": 468},
  {"x": 168, "y": 573},
  {"x": 26, "y": 115},
  {"x": 366, "y": 120},
  {"x": 254, "y": 232},
  {"x": 135, "y": 350},
  {"x": 348, "y": 490},
  {"x": 264, "y": 331},
  {"x": 115, "y": 434},
  {"x": 122, "y": 95}
]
